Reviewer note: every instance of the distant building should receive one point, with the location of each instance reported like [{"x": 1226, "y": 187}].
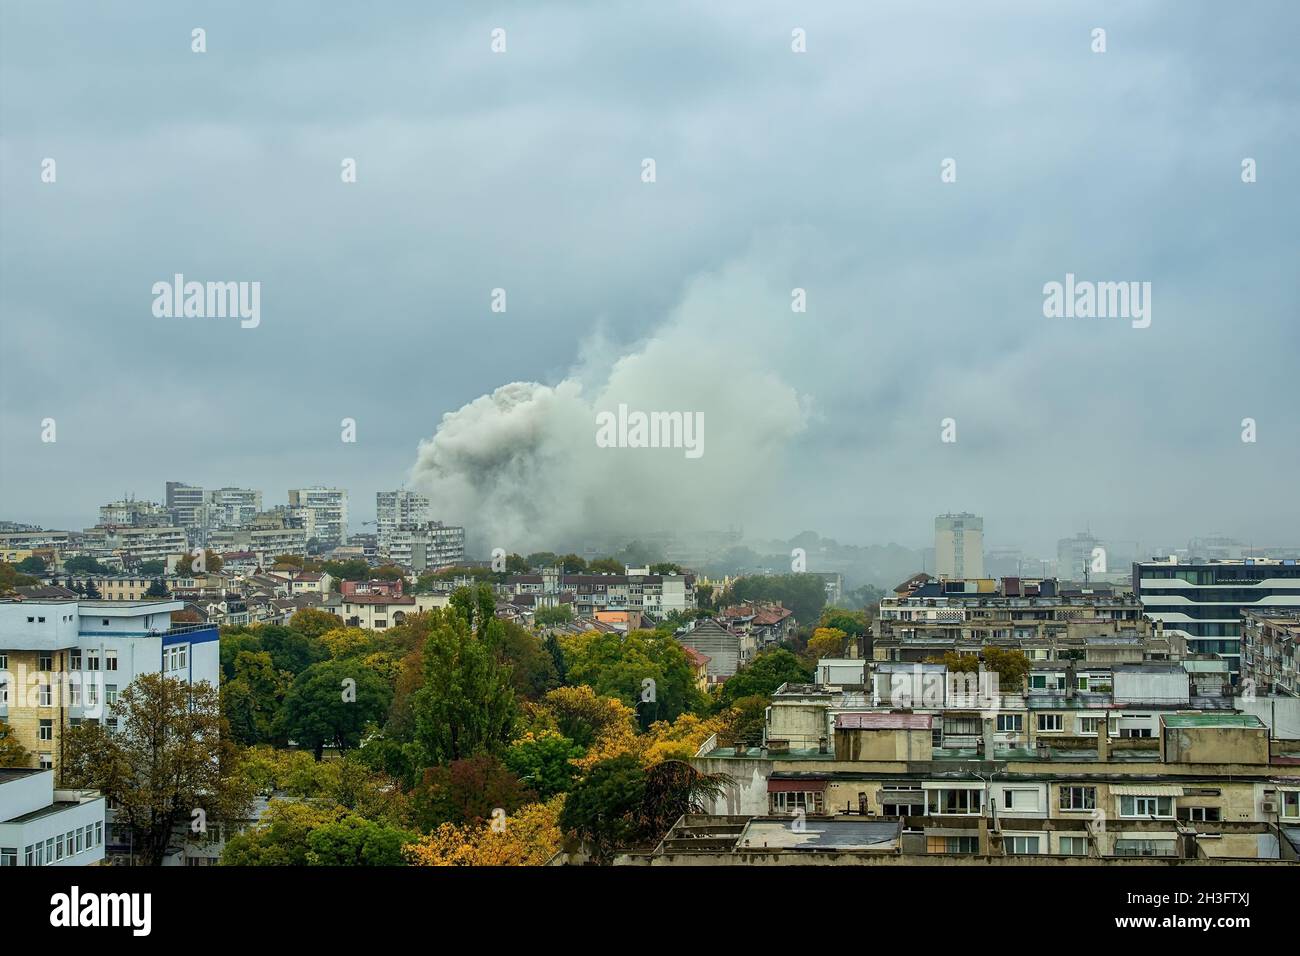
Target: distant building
[
  {"x": 394, "y": 509},
  {"x": 330, "y": 508},
  {"x": 1075, "y": 557},
  {"x": 959, "y": 546},
  {"x": 1268, "y": 651},
  {"x": 1203, "y": 601},
  {"x": 430, "y": 546}
]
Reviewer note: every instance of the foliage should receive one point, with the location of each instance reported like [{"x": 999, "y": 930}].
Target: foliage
[
  {"x": 322, "y": 708},
  {"x": 32, "y": 564},
  {"x": 764, "y": 675},
  {"x": 602, "y": 810},
  {"x": 544, "y": 761},
  {"x": 618, "y": 665},
  {"x": 466, "y": 791},
  {"x": 83, "y": 564},
  {"x": 550, "y": 616},
  {"x": 168, "y": 757},
  {"x": 530, "y": 837},
  {"x": 803, "y": 594},
  {"x": 12, "y": 753},
  {"x": 295, "y": 833},
  {"x": 252, "y": 698},
  {"x": 312, "y": 622},
  {"x": 825, "y": 642},
  {"x": 212, "y": 563}
]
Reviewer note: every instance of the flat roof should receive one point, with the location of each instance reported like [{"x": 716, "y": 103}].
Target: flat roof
[
  {"x": 1213, "y": 720},
  {"x": 883, "y": 722},
  {"x": 816, "y": 833}
]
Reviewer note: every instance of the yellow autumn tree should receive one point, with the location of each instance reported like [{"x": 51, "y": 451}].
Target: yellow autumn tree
[
  {"x": 528, "y": 837},
  {"x": 680, "y": 739},
  {"x": 344, "y": 641},
  {"x": 825, "y": 642}
]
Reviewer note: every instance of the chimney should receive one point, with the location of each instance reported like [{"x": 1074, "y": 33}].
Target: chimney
[
  {"x": 1103, "y": 738},
  {"x": 988, "y": 738},
  {"x": 822, "y": 744},
  {"x": 1070, "y": 680}
]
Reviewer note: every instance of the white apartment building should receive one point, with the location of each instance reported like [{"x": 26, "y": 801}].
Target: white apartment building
[
  {"x": 330, "y": 510},
  {"x": 959, "y": 546},
  {"x": 427, "y": 547},
  {"x": 232, "y": 507},
  {"x": 142, "y": 544},
  {"x": 42, "y": 826},
  {"x": 394, "y": 509}
]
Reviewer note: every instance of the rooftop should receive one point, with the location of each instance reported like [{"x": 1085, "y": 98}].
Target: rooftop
[{"x": 1213, "y": 720}]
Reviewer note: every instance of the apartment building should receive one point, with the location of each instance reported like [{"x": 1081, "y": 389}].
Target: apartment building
[
  {"x": 63, "y": 661},
  {"x": 657, "y": 595},
  {"x": 428, "y": 546},
  {"x": 44, "y": 826},
  {"x": 1203, "y": 602},
  {"x": 329, "y": 507},
  {"x": 395, "y": 509},
  {"x": 1194, "y": 785},
  {"x": 133, "y": 513},
  {"x": 379, "y": 612},
  {"x": 927, "y": 617},
  {"x": 959, "y": 545},
  {"x": 127, "y": 544},
  {"x": 185, "y": 502},
  {"x": 1268, "y": 652}
]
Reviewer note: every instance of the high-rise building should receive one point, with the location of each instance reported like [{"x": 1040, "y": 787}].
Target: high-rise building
[
  {"x": 429, "y": 546},
  {"x": 1076, "y": 557},
  {"x": 396, "y": 508},
  {"x": 232, "y": 507},
  {"x": 1204, "y": 600},
  {"x": 959, "y": 546},
  {"x": 330, "y": 509},
  {"x": 185, "y": 502}
]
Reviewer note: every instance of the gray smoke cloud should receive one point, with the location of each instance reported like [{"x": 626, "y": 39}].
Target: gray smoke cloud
[{"x": 521, "y": 467}]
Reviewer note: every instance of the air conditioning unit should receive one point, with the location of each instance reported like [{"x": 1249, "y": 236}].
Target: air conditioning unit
[{"x": 1268, "y": 806}]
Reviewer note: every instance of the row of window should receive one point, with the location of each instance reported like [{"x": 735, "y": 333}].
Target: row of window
[
  {"x": 45, "y": 696},
  {"x": 56, "y": 847}
]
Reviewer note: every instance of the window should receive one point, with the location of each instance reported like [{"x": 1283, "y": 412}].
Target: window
[
  {"x": 74, "y": 693},
  {"x": 110, "y": 660},
  {"x": 1201, "y": 814},
  {"x": 956, "y": 801},
  {"x": 92, "y": 695},
  {"x": 105, "y": 620},
  {"x": 1146, "y": 806},
  {"x": 1074, "y": 846},
  {"x": 939, "y": 844},
  {"x": 1048, "y": 723},
  {"x": 58, "y": 847},
  {"x": 1290, "y": 803},
  {"x": 92, "y": 660},
  {"x": 1038, "y": 681},
  {"x": 79, "y": 833},
  {"x": 99, "y": 833},
  {"x": 74, "y": 660},
  {"x": 1135, "y": 732},
  {"x": 1144, "y": 847},
  {"x": 1022, "y": 844},
  {"x": 4, "y": 662},
  {"x": 1010, "y": 723},
  {"x": 1021, "y": 799},
  {"x": 46, "y": 731},
  {"x": 47, "y": 761},
  {"x": 810, "y": 801},
  {"x": 8, "y": 856},
  {"x": 49, "y": 851},
  {"x": 1078, "y": 798},
  {"x": 110, "y": 694},
  {"x": 29, "y": 855},
  {"x": 1089, "y": 725},
  {"x": 45, "y": 662},
  {"x": 45, "y": 696}
]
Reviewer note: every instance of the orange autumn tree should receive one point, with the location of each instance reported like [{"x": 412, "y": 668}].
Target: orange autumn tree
[{"x": 528, "y": 837}]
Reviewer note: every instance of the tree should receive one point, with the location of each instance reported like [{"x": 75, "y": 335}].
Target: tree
[
  {"x": 252, "y": 699},
  {"x": 344, "y": 642},
  {"x": 83, "y": 564},
  {"x": 356, "y": 841},
  {"x": 332, "y": 703},
  {"x": 583, "y": 716},
  {"x": 550, "y": 616},
  {"x": 10, "y": 578},
  {"x": 467, "y": 791},
  {"x": 645, "y": 669},
  {"x": 354, "y": 569},
  {"x": 516, "y": 564},
  {"x": 153, "y": 568},
  {"x": 552, "y": 645},
  {"x": 212, "y": 563},
  {"x": 825, "y": 642},
  {"x": 313, "y": 622},
  {"x": 603, "y": 809},
  {"x": 542, "y": 761},
  {"x": 542, "y": 559},
  {"x": 667, "y": 567},
  {"x": 764, "y": 675},
  {"x": 291, "y": 650},
  {"x": 91, "y": 591},
  {"x": 157, "y": 589},
  {"x": 745, "y": 721},
  {"x": 388, "y": 572},
  {"x": 529, "y": 837},
  {"x": 803, "y": 594},
  {"x": 532, "y": 668},
  {"x": 605, "y": 566},
  {"x": 33, "y": 564},
  {"x": 12, "y": 753},
  {"x": 852, "y": 623},
  {"x": 573, "y": 564},
  {"x": 305, "y": 834},
  {"x": 465, "y": 705},
  {"x": 168, "y": 757},
  {"x": 673, "y": 788},
  {"x": 1011, "y": 666}
]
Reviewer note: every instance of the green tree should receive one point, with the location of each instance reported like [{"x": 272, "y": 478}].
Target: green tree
[
  {"x": 550, "y": 616},
  {"x": 157, "y": 589},
  {"x": 620, "y": 665},
  {"x": 573, "y": 564},
  {"x": 306, "y": 834},
  {"x": 467, "y": 791},
  {"x": 764, "y": 675},
  {"x": 313, "y": 622},
  {"x": 291, "y": 650},
  {"x": 83, "y": 564},
  {"x": 516, "y": 564},
  {"x": 12, "y": 753},
  {"x": 252, "y": 699},
  {"x": 542, "y": 559},
  {"x": 542, "y": 762},
  {"x": 212, "y": 563},
  {"x": 466, "y": 705},
  {"x": 332, "y": 703},
  {"x": 169, "y": 756},
  {"x": 356, "y": 841},
  {"x": 153, "y": 568},
  {"x": 803, "y": 594},
  {"x": 603, "y": 808},
  {"x": 605, "y": 566},
  {"x": 33, "y": 564}
]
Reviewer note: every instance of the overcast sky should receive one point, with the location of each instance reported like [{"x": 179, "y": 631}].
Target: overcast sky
[{"x": 522, "y": 170}]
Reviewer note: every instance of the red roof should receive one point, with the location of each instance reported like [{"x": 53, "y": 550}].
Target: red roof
[
  {"x": 884, "y": 722},
  {"x": 698, "y": 659}
]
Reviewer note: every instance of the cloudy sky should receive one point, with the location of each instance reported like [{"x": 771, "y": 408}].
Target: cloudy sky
[{"x": 774, "y": 170}]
